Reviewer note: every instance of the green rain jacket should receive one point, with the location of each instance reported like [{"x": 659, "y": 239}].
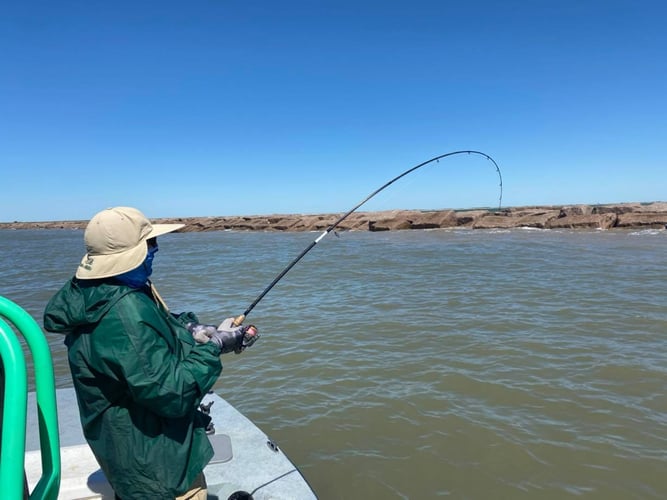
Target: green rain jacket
[{"x": 139, "y": 379}]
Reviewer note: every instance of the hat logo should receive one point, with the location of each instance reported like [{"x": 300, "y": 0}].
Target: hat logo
[{"x": 88, "y": 265}]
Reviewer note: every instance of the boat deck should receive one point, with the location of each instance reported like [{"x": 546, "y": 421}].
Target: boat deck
[{"x": 245, "y": 458}]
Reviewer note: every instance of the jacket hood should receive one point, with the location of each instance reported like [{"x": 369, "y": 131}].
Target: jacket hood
[{"x": 80, "y": 304}]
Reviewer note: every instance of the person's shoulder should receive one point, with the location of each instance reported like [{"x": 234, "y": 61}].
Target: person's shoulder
[{"x": 134, "y": 298}]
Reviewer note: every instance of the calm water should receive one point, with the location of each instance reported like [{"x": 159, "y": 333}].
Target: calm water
[{"x": 469, "y": 364}]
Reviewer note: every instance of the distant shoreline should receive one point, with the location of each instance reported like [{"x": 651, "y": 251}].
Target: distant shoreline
[{"x": 651, "y": 215}]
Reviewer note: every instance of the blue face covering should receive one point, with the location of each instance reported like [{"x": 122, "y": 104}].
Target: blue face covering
[{"x": 136, "y": 278}]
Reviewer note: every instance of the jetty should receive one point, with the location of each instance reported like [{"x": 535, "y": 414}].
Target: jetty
[{"x": 640, "y": 215}]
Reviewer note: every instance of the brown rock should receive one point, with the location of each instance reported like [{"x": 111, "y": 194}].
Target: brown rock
[
  {"x": 642, "y": 220},
  {"x": 593, "y": 221},
  {"x": 575, "y": 210},
  {"x": 494, "y": 222},
  {"x": 467, "y": 217},
  {"x": 540, "y": 219},
  {"x": 412, "y": 219}
]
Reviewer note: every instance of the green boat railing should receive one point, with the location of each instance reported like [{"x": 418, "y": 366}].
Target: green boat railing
[{"x": 15, "y": 402}]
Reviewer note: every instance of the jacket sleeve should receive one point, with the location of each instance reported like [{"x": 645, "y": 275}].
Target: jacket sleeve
[{"x": 164, "y": 369}]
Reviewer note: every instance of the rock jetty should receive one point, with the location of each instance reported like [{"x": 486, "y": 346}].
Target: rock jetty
[{"x": 651, "y": 215}]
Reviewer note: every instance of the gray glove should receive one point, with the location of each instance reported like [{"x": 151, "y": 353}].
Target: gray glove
[
  {"x": 234, "y": 338},
  {"x": 201, "y": 333},
  {"x": 227, "y": 336}
]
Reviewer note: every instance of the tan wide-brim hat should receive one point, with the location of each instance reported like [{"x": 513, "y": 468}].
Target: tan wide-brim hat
[{"x": 116, "y": 242}]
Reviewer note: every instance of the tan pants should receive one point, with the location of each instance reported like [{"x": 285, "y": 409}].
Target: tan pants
[{"x": 197, "y": 491}]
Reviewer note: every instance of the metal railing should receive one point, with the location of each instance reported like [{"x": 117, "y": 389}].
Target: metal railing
[{"x": 14, "y": 406}]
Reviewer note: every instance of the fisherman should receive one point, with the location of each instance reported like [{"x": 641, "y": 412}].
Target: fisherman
[{"x": 139, "y": 371}]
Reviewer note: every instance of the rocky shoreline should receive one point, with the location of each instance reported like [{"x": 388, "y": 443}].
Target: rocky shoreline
[{"x": 651, "y": 215}]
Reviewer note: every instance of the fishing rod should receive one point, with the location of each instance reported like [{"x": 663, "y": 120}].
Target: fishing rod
[{"x": 239, "y": 319}]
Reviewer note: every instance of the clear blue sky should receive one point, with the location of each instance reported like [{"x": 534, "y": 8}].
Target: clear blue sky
[{"x": 233, "y": 107}]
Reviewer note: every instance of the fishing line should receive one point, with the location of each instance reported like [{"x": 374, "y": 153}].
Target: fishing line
[{"x": 241, "y": 317}]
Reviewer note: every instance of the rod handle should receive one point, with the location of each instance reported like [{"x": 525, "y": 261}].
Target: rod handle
[{"x": 238, "y": 321}]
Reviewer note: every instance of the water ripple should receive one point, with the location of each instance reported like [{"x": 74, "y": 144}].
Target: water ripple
[{"x": 473, "y": 364}]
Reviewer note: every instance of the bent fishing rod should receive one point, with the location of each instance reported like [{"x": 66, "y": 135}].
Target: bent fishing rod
[{"x": 239, "y": 319}]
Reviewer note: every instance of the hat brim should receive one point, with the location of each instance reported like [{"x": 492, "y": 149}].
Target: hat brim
[
  {"x": 105, "y": 266},
  {"x": 160, "y": 229}
]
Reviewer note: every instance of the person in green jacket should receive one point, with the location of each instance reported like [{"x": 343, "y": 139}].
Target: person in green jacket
[{"x": 139, "y": 371}]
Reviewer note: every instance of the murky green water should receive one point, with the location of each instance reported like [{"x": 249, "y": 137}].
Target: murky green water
[{"x": 469, "y": 364}]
